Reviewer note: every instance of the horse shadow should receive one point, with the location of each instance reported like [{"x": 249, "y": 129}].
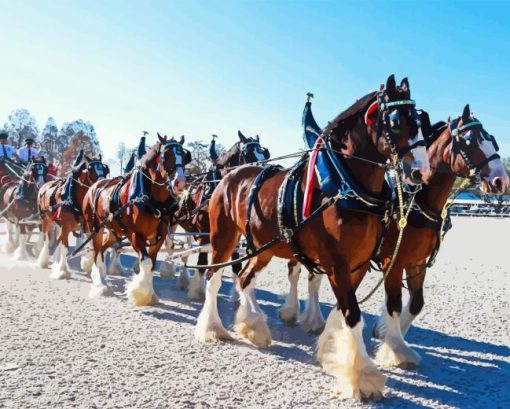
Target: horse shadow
[{"x": 454, "y": 370}]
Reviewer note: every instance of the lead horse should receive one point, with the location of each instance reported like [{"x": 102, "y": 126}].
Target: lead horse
[
  {"x": 339, "y": 239},
  {"x": 138, "y": 207}
]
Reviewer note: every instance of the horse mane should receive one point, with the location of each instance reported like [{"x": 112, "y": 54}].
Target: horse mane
[
  {"x": 150, "y": 156},
  {"x": 347, "y": 119},
  {"x": 231, "y": 153}
]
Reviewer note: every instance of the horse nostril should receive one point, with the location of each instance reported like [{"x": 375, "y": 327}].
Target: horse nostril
[
  {"x": 416, "y": 175},
  {"x": 498, "y": 183}
]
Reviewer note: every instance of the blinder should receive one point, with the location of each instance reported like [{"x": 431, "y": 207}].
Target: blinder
[
  {"x": 254, "y": 146},
  {"x": 465, "y": 145},
  {"x": 389, "y": 121}
]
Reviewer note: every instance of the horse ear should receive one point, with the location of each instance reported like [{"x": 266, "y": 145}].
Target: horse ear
[
  {"x": 257, "y": 138},
  {"x": 404, "y": 86},
  {"x": 86, "y": 158},
  {"x": 161, "y": 139},
  {"x": 100, "y": 157},
  {"x": 466, "y": 113},
  {"x": 371, "y": 113},
  {"x": 182, "y": 140},
  {"x": 391, "y": 85},
  {"x": 241, "y": 137},
  {"x": 43, "y": 159}
]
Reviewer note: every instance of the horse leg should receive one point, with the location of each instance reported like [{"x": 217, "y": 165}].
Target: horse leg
[
  {"x": 250, "y": 321},
  {"x": 341, "y": 348},
  {"x": 167, "y": 266},
  {"x": 38, "y": 245},
  {"x": 44, "y": 255},
  {"x": 115, "y": 267},
  {"x": 209, "y": 327},
  {"x": 312, "y": 319},
  {"x": 196, "y": 288},
  {"x": 289, "y": 312},
  {"x": 140, "y": 290},
  {"x": 21, "y": 251},
  {"x": 415, "y": 280},
  {"x": 10, "y": 244},
  {"x": 99, "y": 285},
  {"x": 393, "y": 351},
  {"x": 236, "y": 270},
  {"x": 60, "y": 269},
  {"x": 184, "y": 279}
]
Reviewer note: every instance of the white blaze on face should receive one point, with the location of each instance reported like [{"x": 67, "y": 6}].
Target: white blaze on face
[
  {"x": 180, "y": 178},
  {"x": 40, "y": 175},
  {"x": 98, "y": 167},
  {"x": 420, "y": 156},
  {"x": 496, "y": 167},
  {"x": 257, "y": 151}
]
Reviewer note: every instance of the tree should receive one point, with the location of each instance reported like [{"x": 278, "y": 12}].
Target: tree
[
  {"x": 49, "y": 139},
  {"x": 121, "y": 155},
  {"x": 78, "y": 142},
  {"x": 21, "y": 125},
  {"x": 200, "y": 157},
  {"x": 69, "y": 129}
]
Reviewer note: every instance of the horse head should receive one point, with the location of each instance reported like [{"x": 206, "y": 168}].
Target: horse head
[
  {"x": 474, "y": 152},
  {"x": 174, "y": 159},
  {"x": 37, "y": 172},
  {"x": 250, "y": 149},
  {"x": 95, "y": 168},
  {"x": 394, "y": 127}
]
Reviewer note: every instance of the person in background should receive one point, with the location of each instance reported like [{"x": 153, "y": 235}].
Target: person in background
[
  {"x": 6, "y": 151},
  {"x": 27, "y": 153}
]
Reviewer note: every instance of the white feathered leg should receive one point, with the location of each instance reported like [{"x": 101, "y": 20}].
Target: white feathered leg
[
  {"x": 43, "y": 260},
  {"x": 21, "y": 251},
  {"x": 250, "y": 321},
  {"x": 312, "y": 319},
  {"x": 289, "y": 312},
  {"x": 140, "y": 290},
  {"x": 115, "y": 267},
  {"x": 60, "y": 269},
  {"x": 10, "y": 244},
  {"x": 342, "y": 353},
  {"x": 406, "y": 319},
  {"x": 99, "y": 285},
  {"x": 209, "y": 327}
]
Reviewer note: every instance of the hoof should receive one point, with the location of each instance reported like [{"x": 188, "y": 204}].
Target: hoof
[
  {"x": 59, "y": 273},
  {"x": 97, "y": 291},
  {"x": 367, "y": 384},
  {"x": 289, "y": 315},
  {"x": 401, "y": 356},
  {"x": 313, "y": 326},
  {"x": 167, "y": 270},
  {"x": 210, "y": 331},
  {"x": 255, "y": 330}
]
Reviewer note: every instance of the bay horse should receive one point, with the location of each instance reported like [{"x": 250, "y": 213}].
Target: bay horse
[
  {"x": 139, "y": 208},
  {"x": 18, "y": 205},
  {"x": 340, "y": 239},
  {"x": 460, "y": 148},
  {"x": 193, "y": 207},
  {"x": 59, "y": 203}
]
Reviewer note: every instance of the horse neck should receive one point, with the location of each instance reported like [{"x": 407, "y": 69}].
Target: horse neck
[
  {"x": 82, "y": 187},
  {"x": 158, "y": 189},
  {"x": 369, "y": 175},
  {"x": 435, "y": 193}
]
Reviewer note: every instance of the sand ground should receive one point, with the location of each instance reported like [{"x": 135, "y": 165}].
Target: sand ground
[{"x": 58, "y": 348}]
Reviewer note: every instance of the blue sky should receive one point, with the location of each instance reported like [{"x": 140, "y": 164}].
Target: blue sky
[{"x": 203, "y": 67}]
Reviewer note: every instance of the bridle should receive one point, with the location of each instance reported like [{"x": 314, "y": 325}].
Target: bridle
[
  {"x": 388, "y": 123},
  {"x": 176, "y": 149},
  {"x": 464, "y": 145},
  {"x": 93, "y": 165},
  {"x": 256, "y": 147}
]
